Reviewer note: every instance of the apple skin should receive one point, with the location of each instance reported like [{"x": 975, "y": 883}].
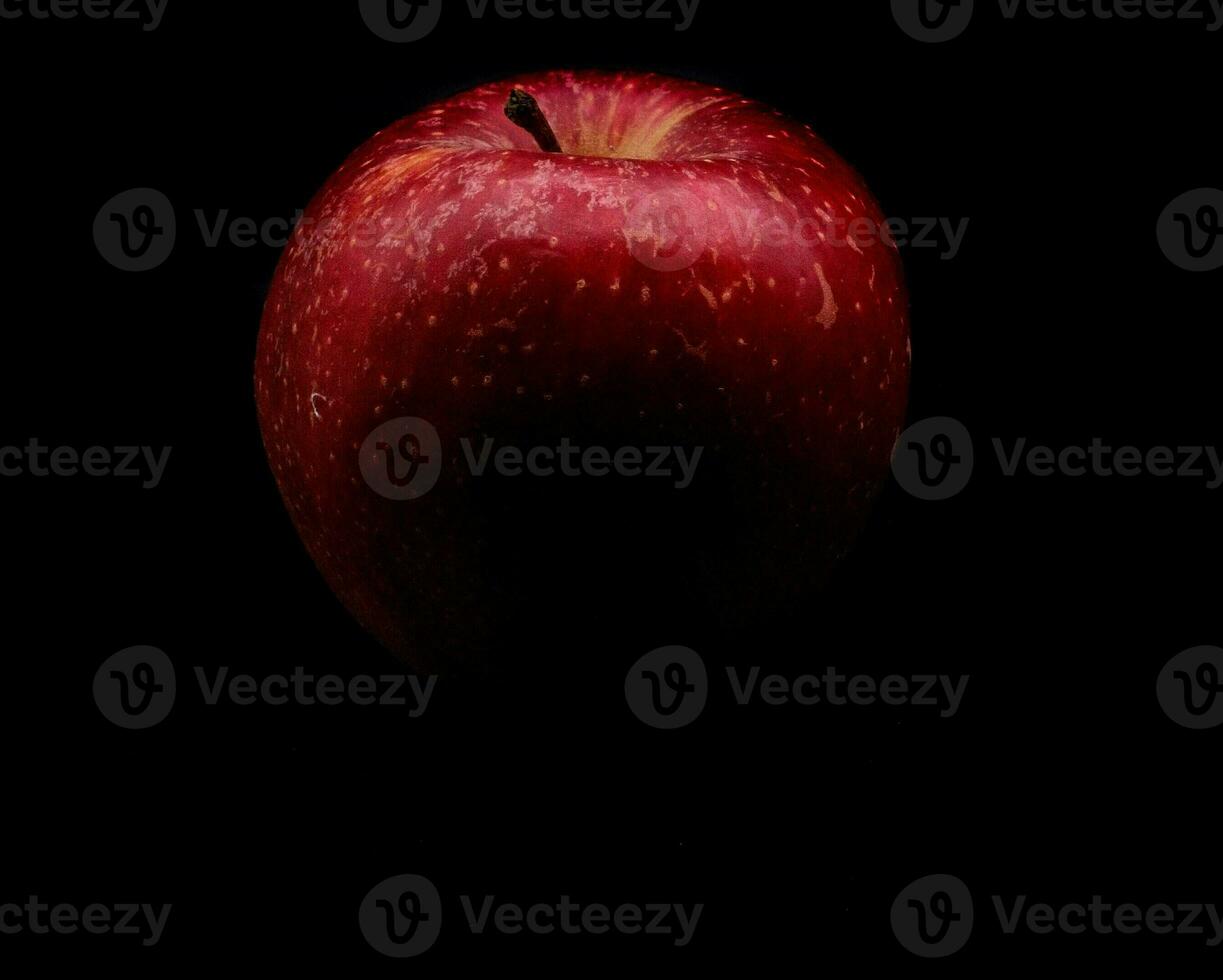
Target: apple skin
[{"x": 625, "y": 292}]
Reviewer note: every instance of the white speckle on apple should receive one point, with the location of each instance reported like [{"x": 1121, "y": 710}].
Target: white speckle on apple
[
  {"x": 828, "y": 314},
  {"x": 315, "y": 398}
]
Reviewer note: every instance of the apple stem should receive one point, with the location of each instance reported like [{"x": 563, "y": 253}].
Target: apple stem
[{"x": 523, "y": 111}]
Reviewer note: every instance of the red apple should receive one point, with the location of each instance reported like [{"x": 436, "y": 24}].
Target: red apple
[{"x": 683, "y": 267}]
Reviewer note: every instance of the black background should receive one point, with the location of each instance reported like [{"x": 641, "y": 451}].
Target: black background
[{"x": 1059, "y": 320}]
